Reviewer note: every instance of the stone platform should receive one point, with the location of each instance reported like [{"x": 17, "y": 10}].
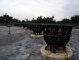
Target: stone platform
[
  {"x": 19, "y": 45},
  {"x": 60, "y": 55},
  {"x": 33, "y": 35}
]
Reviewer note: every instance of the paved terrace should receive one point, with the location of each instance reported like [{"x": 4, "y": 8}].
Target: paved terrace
[{"x": 19, "y": 45}]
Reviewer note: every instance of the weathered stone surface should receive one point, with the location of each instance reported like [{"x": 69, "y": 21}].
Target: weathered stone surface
[
  {"x": 19, "y": 45},
  {"x": 59, "y": 55}
]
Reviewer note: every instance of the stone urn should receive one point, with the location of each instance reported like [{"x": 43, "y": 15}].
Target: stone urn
[
  {"x": 56, "y": 36},
  {"x": 37, "y": 29}
]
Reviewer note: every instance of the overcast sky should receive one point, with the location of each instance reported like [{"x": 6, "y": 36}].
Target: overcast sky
[{"x": 23, "y": 9}]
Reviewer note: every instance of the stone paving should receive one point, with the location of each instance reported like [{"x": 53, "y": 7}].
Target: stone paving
[{"x": 19, "y": 45}]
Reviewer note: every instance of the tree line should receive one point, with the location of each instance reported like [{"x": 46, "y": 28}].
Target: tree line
[{"x": 8, "y": 19}]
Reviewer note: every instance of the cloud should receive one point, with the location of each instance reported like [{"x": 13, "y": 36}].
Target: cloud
[
  {"x": 71, "y": 8},
  {"x": 22, "y": 9}
]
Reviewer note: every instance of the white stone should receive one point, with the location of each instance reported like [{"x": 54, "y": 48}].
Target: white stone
[
  {"x": 58, "y": 55},
  {"x": 32, "y": 35}
]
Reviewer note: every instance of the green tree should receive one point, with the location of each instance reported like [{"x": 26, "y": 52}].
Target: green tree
[
  {"x": 2, "y": 20},
  {"x": 7, "y": 19},
  {"x": 34, "y": 20},
  {"x": 23, "y": 21},
  {"x": 43, "y": 20},
  {"x": 65, "y": 20},
  {"x": 75, "y": 19},
  {"x": 16, "y": 20}
]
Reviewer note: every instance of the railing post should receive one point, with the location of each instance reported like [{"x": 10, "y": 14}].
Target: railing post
[
  {"x": 9, "y": 25},
  {"x": 9, "y": 31}
]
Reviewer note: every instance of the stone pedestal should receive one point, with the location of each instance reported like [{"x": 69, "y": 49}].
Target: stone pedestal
[
  {"x": 32, "y": 35},
  {"x": 59, "y": 55}
]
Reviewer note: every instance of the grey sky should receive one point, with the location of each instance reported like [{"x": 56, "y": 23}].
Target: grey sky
[{"x": 23, "y": 9}]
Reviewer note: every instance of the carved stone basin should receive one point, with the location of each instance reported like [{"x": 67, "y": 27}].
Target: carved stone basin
[{"x": 56, "y": 36}]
